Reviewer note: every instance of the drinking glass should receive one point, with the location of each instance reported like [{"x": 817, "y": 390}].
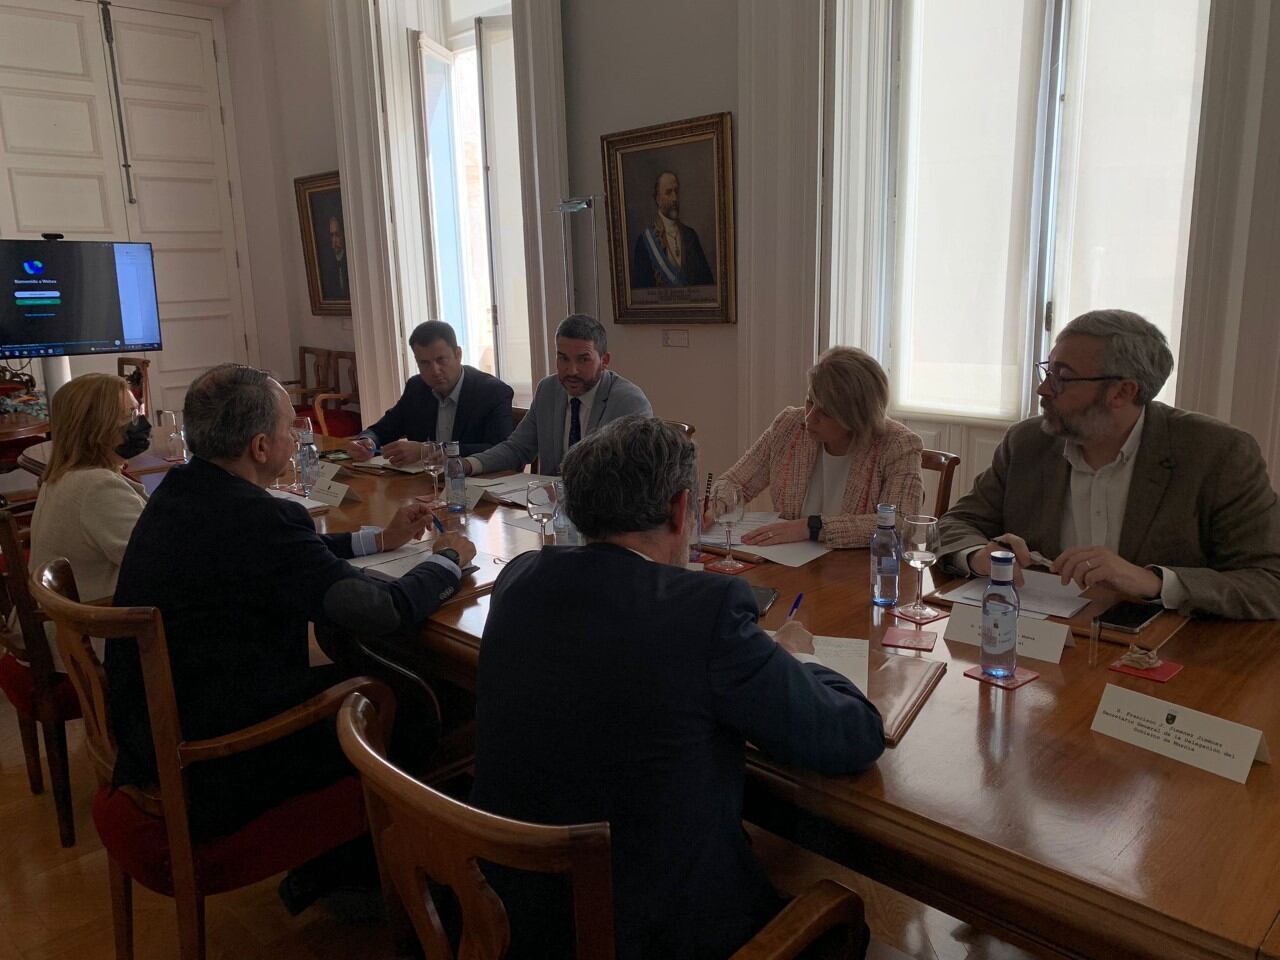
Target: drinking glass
[
  {"x": 175, "y": 447},
  {"x": 920, "y": 550},
  {"x": 433, "y": 459},
  {"x": 301, "y": 425},
  {"x": 728, "y": 507},
  {"x": 540, "y": 501}
]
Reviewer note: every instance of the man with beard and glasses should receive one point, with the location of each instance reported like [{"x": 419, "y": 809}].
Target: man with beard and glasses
[
  {"x": 582, "y": 396},
  {"x": 1114, "y": 488}
]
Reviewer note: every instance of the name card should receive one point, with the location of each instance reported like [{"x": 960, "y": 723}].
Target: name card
[
  {"x": 328, "y": 469},
  {"x": 329, "y": 491},
  {"x": 1037, "y": 639},
  {"x": 1201, "y": 740}
]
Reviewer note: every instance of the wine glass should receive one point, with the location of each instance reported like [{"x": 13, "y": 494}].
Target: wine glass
[
  {"x": 301, "y": 428},
  {"x": 175, "y": 448},
  {"x": 540, "y": 501},
  {"x": 433, "y": 459},
  {"x": 728, "y": 507},
  {"x": 920, "y": 550}
]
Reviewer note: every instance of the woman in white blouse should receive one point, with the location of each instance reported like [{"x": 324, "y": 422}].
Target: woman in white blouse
[{"x": 87, "y": 508}]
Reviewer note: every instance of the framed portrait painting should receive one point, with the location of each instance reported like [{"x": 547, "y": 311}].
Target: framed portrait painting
[
  {"x": 669, "y": 197},
  {"x": 324, "y": 244}
]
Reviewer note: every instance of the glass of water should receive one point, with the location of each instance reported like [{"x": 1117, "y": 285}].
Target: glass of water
[
  {"x": 728, "y": 507},
  {"x": 433, "y": 459},
  {"x": 540, "y": 501},
  {"x": 920, "y": 550}
]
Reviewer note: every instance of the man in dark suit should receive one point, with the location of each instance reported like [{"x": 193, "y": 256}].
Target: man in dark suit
[
  {"x": 1111, "y": 487},
  {"x": 668, "y": 253},
  {"x": 237, "y": 574},
  {"x": 616, "y": 685},
  {"x": 447, "y": 400}
]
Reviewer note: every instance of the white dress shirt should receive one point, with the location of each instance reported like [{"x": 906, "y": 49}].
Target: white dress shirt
[
  {"x": 825, "y": 495},
  {"x": 447, "y": 410}
]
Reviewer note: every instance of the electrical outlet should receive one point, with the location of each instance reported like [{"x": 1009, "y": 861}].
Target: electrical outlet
[{"x": 675, "y": 338}]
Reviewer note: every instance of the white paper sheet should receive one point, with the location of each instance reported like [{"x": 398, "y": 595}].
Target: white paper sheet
[
  {"x": 788, "y": 554},
  {"x": 298, "y": 498},
  {"x": 381, "y": 461},
  {"x": 847, "y": 656},
  {"x": 1041, "y": 593},
  {"x": 414, "y": 548},
  {"x": 752, "y": 520}
]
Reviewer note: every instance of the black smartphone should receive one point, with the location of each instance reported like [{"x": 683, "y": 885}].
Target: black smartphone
[
  {"x": 765, "y": 596},
  {"x": 1128, "y": 616}
]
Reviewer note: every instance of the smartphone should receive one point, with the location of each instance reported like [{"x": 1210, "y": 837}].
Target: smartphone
[
  {"x": 1129, "y": 617},
  {"x": 335, "y": 455},
  {"x": 765, "y": 596}
]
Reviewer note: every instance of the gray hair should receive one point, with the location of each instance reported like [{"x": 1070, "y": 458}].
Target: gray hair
[
  {"x": 580, "y": 326},
  {"x": 1132, "y": 348},
  {"x": 623, "y": 477},
  {"x": 226, "y": 407}
]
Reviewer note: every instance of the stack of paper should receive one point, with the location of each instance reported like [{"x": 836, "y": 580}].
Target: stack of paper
[
  {"x": 1040, "y": 593},
  {"x": 795, "y": 554},
  {"x": 847, "y": 656},
  {"x": 313, "y": 506},
  {"x": 512, "y": 489},
  {"x": 383, "y": 463}
]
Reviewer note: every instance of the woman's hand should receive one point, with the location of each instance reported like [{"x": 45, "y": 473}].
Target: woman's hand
[{"x": 781, "y": 531}]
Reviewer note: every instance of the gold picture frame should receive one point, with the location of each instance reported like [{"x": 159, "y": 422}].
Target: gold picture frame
[
  {"x": 324, "y": 249},
  {"x": 668, "y": 190}
]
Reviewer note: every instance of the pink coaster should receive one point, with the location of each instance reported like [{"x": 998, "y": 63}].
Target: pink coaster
[
  {"x": 909, "y": 639},
  {"x": 1020, "y": 676},
  {"x": 910, "y": 618},
  {"x": 1161, "y": 674},
  {"x": 701, "y": 556},
  {"x": 733, "y": 573}
]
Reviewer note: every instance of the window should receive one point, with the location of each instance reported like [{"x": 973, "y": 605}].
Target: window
[
  {"x": 1040, "y": 159},
  {"x": 475, "y": 220}
]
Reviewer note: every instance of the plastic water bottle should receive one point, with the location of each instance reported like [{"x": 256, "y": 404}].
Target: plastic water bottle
[
  {"x": 886, "y": 557},
  {"x": 308, "y": 461},
  {"x": 455, "y": 479},
  {"x": 1000, "y": 619}
]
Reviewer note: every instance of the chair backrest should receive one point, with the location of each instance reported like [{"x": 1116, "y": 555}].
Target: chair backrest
[
  {"x": 315, "y": 370},
  {"x": 54, "y": 587},
  {"x": 345, "y": 360},
  {"x": 137, "y": 371},
  {"x": 422, "y": 834},
  {"x": 28, "y": 641},
  {"x": 945, "y": 465},
  {"x": 685, "y": 428},
  {"x": 518, "y": 414}
]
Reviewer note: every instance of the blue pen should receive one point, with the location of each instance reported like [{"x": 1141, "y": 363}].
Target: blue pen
[
  {"x": 438, "y": 525},
  {"x": 795, "y": 606}
]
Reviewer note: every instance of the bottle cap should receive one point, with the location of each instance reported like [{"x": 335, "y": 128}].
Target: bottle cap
[
  {"x": 451, "y": 448},
  {"x": 885, "y": 513},
  {"x": 306, "y": 436},
  {"x": 1002, "y": 566}
]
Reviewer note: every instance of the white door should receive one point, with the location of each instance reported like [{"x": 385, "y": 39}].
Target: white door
[
  {"x": 59, "y": 172},
  {"x": 173, "y": 127}
]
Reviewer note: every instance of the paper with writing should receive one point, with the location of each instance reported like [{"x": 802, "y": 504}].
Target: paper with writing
[
  {"x": 1040, "y": 593},
  {"x": 1037, "y": 639}
]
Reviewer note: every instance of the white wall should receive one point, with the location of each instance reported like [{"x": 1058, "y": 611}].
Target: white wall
[
  {"x": 628, "y": 65},
  {"x": 283, "y": 99}
]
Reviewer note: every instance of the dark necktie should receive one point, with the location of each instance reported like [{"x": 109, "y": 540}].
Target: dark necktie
[{"x": 575, "y": 424}]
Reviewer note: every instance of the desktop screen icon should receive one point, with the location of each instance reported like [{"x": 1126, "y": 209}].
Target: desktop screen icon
[{"x": 33, "y": 267}]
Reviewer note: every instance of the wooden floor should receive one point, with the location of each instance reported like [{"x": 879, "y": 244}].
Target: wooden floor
[{"x": 54, "y": 903}]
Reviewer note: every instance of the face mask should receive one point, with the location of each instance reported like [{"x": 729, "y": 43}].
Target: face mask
[{"x": 137, "y": 437}]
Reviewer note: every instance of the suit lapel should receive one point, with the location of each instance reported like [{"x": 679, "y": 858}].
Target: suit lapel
[
  {"x": 560, "y": 405},
  {"x": 601, "y": 401},
  {"x": 1152, "y": 471},
  {"x": 1055, "y": 483},
  {"x": 462, "y": 407}
]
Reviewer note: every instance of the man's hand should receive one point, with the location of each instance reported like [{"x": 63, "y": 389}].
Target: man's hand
[
  {"x": 980, "y": 561},
  {"x": 1090, "y": 565},
  {"x": 403, "y": 453},
  {"x": 794, "y": 638},
  {"x": 455, "y": 541},
  {"x": 361, "y": 449},
  {"x": 780, "y": 531},
  {"x": 409, "y": 523}
]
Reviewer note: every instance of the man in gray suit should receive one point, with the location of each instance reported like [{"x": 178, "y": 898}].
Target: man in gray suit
[
  {"x": 583, "y": 395},
  {"x": 1114, "y": 488}
]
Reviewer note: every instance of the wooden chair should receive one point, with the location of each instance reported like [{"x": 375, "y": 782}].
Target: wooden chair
[
  {"x": 422, "y": 835},
  {"x": 315, "y": 375},
  {"x": 39, "y": 694},
  {"x": 145, "y": 831},
  {"x": 945, "y": 464},
  {"x": 331, "y": 415},
  {"x": 137, "y": 370},
  {"x": 685, "y": 428}
]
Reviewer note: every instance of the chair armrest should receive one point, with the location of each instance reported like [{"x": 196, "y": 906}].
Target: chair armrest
[
  {"x": 324, "y": 704},
  {"x": 824, "y": 906},
  {"x": 340, "y": 397}
]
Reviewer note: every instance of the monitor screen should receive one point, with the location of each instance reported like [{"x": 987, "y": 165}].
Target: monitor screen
[{"x": 76, "y": 297}]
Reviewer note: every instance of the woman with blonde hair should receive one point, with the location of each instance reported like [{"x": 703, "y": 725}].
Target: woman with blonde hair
[
  {"x": 87, "y": 508},
  {"x": 827, "y": 464}
]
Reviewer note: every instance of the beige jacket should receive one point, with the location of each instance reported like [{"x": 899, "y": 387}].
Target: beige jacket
[{"x": 885, "y": 471}]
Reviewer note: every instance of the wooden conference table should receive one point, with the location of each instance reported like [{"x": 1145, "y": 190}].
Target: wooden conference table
[{"x": 1002, "y": 807}]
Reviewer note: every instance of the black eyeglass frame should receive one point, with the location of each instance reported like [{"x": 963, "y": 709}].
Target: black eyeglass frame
[{"x": 1057, "y": 382}]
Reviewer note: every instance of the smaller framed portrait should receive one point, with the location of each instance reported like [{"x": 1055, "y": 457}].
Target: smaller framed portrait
[
  {"x": 324, "y": 244},
  {"x": 669, "y": 198}
]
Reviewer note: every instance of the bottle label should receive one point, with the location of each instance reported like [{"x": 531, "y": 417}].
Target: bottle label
[
  {"x": 999, "y": 629},
  {"x": 887, "y": 566}
]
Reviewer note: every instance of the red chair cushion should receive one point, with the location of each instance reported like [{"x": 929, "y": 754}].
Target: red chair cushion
[
  {"x": 19, "y": 687},
  {"x": 341, "y": 423},
  {"x": 284, "y": 837}
]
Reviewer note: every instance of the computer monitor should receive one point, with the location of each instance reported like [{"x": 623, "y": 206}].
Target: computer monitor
[{"x": 69, "y": 297}]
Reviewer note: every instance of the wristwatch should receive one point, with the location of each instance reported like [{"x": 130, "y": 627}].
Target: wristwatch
[
  {"x": 451, "y": 555},
  {"x": 815, "y": 526}
]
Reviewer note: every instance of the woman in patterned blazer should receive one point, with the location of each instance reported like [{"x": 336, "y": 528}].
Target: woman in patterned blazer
[{"x": 827, "y": 464}]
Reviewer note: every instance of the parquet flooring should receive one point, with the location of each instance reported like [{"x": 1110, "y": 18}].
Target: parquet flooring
[{"x": 54, "y": 903}]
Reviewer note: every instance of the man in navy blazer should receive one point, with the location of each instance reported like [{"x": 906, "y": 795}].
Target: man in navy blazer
[
  {"x": 581, "y": 396},
  {"x": 616, "y": 685},
  {"x": 447, "y": 400}
]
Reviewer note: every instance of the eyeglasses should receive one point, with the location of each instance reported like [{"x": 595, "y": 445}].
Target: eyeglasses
[{"x": 1057, "y": 382}]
